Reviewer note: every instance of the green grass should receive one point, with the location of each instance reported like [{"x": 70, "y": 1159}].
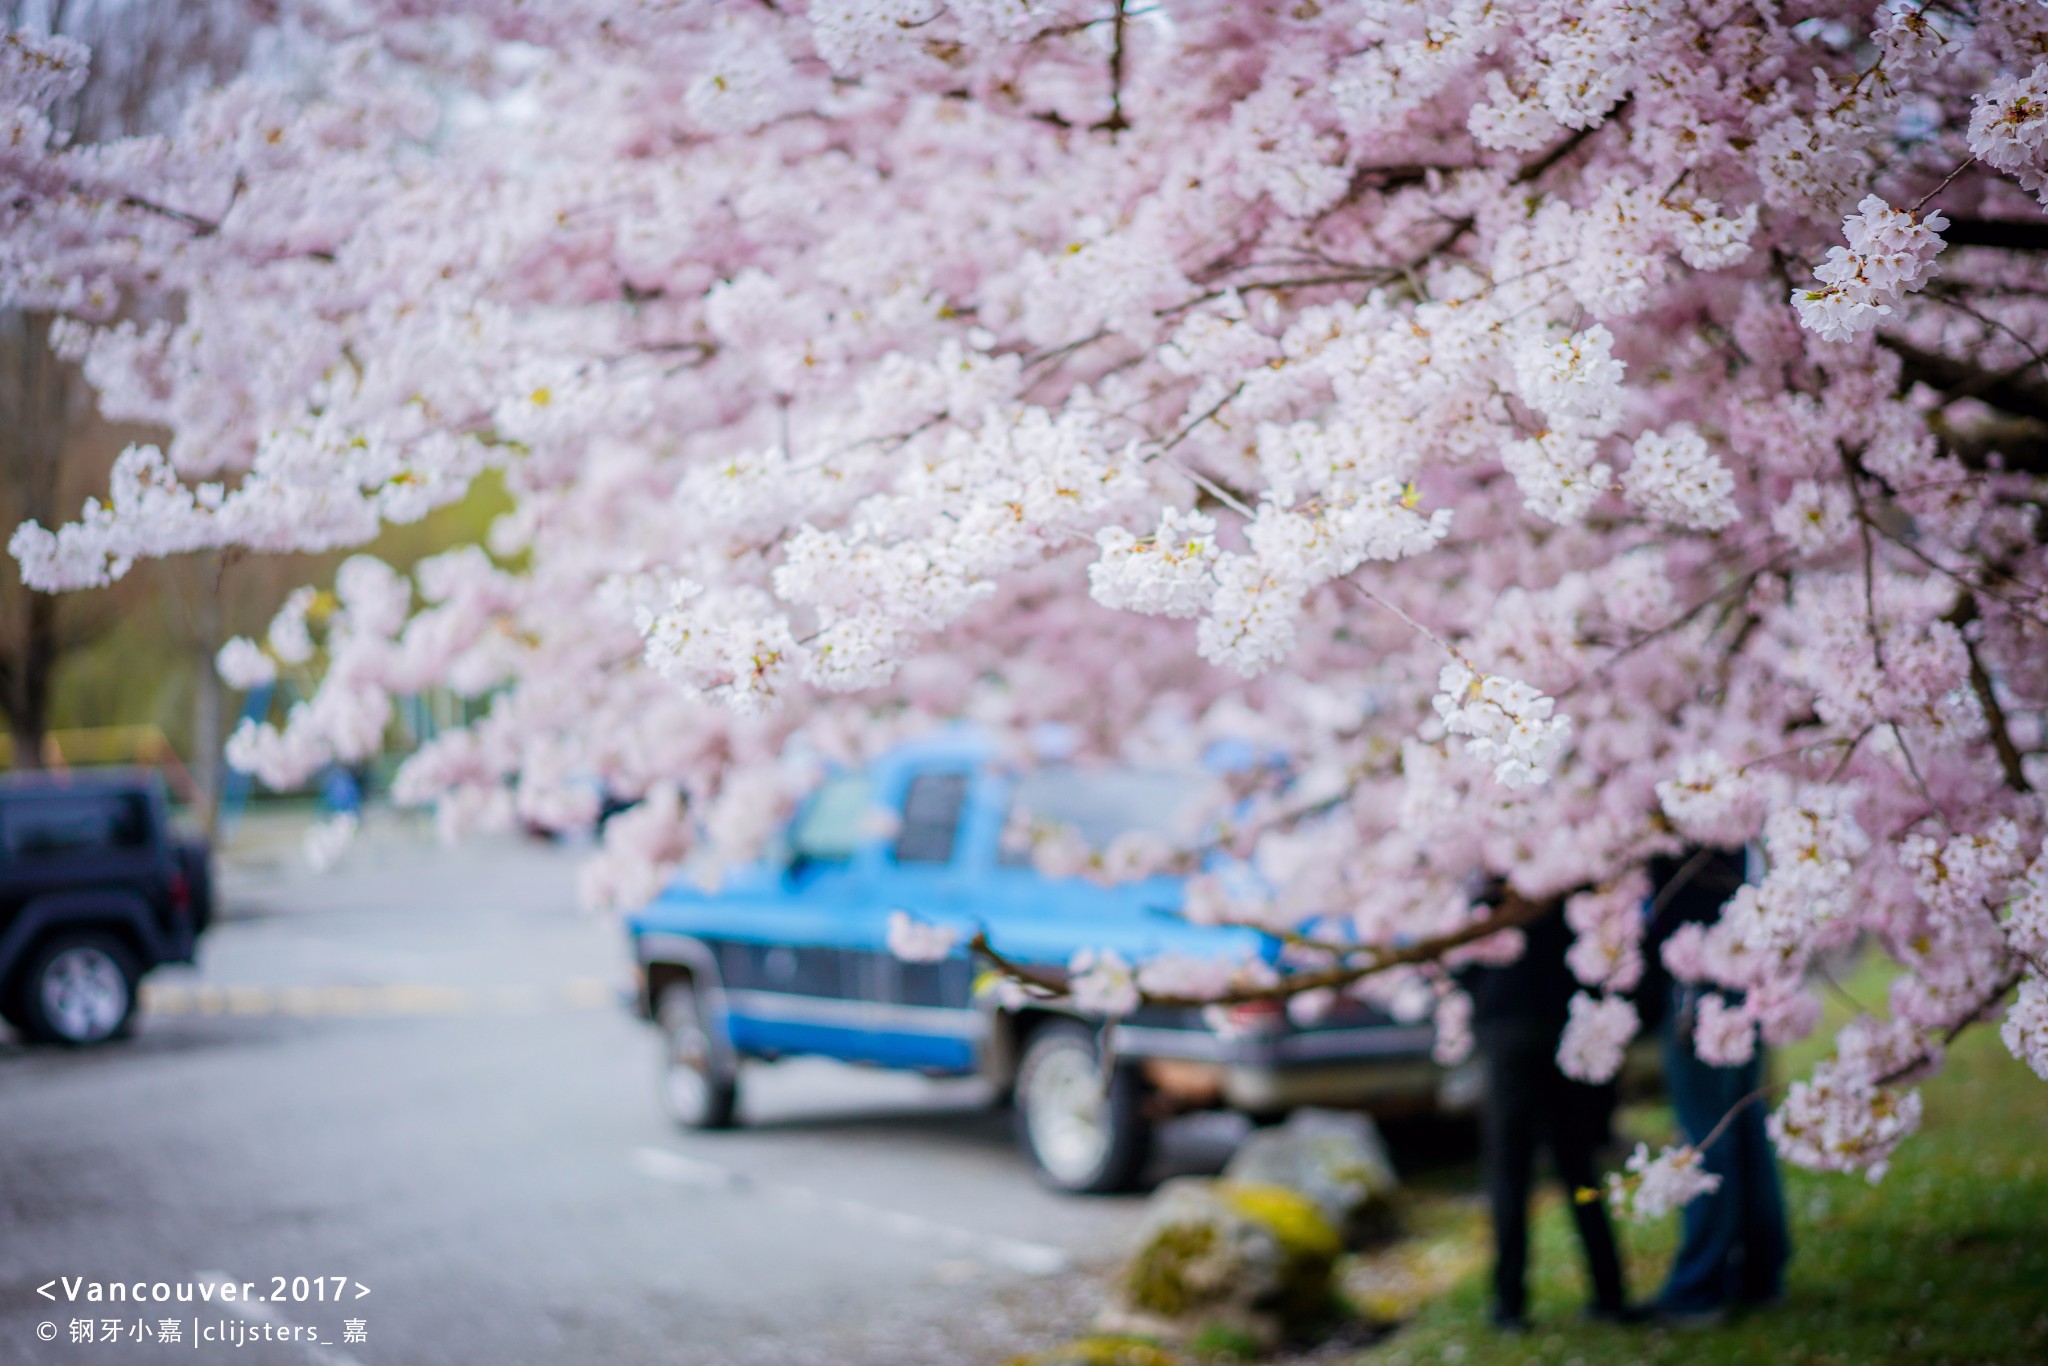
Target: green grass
[{"x": 1946, "y": 1261}]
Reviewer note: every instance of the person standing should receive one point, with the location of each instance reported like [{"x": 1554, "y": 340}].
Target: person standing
[
  {"x": 1519, "y": 1013},
  {"x": 1735, "y": 1246}
]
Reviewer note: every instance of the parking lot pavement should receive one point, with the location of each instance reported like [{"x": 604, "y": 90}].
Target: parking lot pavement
[{"x": 412, "y": 1075}]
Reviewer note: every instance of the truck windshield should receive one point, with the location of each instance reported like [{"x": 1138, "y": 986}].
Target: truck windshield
[
  {"x": 1102, "y": 803},
  {"x": 833, "y": 823}
]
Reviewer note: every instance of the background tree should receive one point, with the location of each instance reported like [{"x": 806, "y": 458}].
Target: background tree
[{"x": 55, "y": 449}]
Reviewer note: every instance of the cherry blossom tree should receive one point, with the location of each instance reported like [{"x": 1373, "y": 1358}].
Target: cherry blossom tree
[{"x": 1558, "y": 435}]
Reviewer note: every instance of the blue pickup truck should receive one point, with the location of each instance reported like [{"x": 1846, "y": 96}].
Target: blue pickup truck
[{"x": 790, "y": 957}]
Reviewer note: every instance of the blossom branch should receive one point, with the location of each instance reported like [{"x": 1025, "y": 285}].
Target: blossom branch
[
  {"x": 1513, "y": 912},
  {"x": 2009, "y": 760}
]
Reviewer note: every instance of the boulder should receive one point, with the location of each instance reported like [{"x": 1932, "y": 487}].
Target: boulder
[
  {"x": 1335, "y": 1158},
  {"x": 1228, "y": 1260}
]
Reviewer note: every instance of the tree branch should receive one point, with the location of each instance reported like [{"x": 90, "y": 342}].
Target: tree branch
[
  {"x": 2005, "y": 234},
  {"x": 1980, "y": 682},
  {"x": 1513, "y": 912},
  {"x": 1116, "y": 122},
  {"x": 1956, "y": 379}
]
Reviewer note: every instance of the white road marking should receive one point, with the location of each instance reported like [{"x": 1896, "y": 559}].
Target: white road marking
[
  {"x": 1032, "y": 1259},
  {"x": 320, "y": 1354}
]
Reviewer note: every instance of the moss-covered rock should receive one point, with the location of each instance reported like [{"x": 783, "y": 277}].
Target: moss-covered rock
[
  {"x": 1248, "y": 1260},
  {"x": 1103, "y": 1350},
  {"x": 1337, "y": 1159}
]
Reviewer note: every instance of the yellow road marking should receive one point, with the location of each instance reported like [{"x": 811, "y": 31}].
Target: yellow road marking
[{"x": 396, "y": 998}]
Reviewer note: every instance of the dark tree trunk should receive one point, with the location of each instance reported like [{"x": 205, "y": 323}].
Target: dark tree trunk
[
  {"x": 207, "y": 735},
  {"x": 28, "y": 706}
]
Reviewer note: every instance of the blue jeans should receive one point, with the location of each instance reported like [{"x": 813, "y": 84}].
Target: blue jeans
[{"x": 1735, "y": 1246}]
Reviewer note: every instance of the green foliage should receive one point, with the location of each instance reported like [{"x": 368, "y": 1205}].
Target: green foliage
[
  {"x": 142, "y": 670},
  {"x": 1221, "y": 1340}
]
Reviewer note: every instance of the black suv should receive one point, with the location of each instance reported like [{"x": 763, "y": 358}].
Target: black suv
[{"x": 95, "y": 890}]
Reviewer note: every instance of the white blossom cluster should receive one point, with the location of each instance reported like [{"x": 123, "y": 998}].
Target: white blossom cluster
[
  {"x": 1815, "y": 517},
  {"x": 1198, "y": 978},
  {"x": 1722, "y": 1035},
  {"x": 1453, "y": 1042},
  {"x": 2026, "y": 914},
  {"x": 1711, "y": 801},
  {"x": 2025, "y": 1030},
  {"x": 242, "y": 665},
  {"x": 1596, "y": 1036},
  {"x": 1559, "y": 474},
  {"x": 327, "y": 840},
  {"x": 1102, "y": 982},
  {"x": 1655, "y": 1186},
  {"x": 1841, "y": 1120},
  {"x": 1810, "y": 841},
  {"x": 1890, "y": 253},
  {"x": 735, "y": 645},
  {"x": 1164, "y": 574},
  {"x": 1675, "y": 478},
  {"x": 1607, "y": 925},
  {"x": 640, "y": 851},
  {"x": 1506, "y": 723},
  {"x": 1574, "y": 382},
  {"x": 1960, "y": 877},
  {"x": 920, "y": 941},
  {"x": 2009, "y": 128}
]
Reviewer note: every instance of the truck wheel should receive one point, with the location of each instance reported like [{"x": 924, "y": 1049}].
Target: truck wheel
[
  {"x": 1081, "y": 1137},
  {"x": 700, "y": 1083},
  {"x": 79, "y": 989}
]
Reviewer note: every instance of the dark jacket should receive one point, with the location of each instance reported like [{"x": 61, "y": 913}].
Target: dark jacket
[
  {"x": 1686, "y": 889},
  {"x": 1534, "y": 992}
]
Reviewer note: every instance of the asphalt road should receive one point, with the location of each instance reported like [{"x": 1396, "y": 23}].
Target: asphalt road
[{"x": 412, "y": 1074}]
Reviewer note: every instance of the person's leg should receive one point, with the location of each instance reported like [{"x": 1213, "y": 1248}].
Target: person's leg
[
  {"x": 1579, "y": 1117},
  {"x": 1766, "y": 1246},
  {"x": 1700, "y": 1280},
  {"x": 1510, "y": 1130}
]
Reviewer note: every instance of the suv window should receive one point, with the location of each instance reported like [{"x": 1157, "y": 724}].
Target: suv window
[
  {"x": 45, "y": 826},
  {"x": 830, "y": 829},
  {"x": 931, "y": 818}
]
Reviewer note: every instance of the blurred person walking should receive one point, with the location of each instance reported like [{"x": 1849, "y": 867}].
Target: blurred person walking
[
  {"x": 1735, "y": 1245},
  {"x": 1519, "y": 1013}
]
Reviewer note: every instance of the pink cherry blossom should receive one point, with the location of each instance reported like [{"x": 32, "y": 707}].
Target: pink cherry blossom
[{"x": 1546, "y": 437}]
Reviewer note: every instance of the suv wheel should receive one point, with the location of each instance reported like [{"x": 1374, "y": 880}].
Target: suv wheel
[
  {"x": 79, "y": 989},
  {"x": 700, "y": 1083},
  {"x": 1082, "y": 1136}
]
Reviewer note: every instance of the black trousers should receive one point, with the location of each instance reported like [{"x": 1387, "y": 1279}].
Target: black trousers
[{"x": 1529, "y": 1103}]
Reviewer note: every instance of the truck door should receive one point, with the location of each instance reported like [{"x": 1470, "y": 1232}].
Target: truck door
[{"x": 925, "y": 1016}]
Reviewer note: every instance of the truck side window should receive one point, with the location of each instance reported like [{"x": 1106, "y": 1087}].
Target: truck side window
[
  {"x": 931, "y": 818},
  {"x": 48, "y": 826}
]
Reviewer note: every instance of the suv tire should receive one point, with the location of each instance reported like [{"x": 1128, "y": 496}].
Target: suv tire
[
  {"x": 700, "y": 1084},
  {"x": 78, "y": 989},
  {"x": 1083, "y": 1137}
]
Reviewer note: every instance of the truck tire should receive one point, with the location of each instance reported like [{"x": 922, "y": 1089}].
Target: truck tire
[
  {"x": 78, "y": 989},
  {"x": 700, "y": 1084},
  {"x": 1082, "y": 1137}
]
